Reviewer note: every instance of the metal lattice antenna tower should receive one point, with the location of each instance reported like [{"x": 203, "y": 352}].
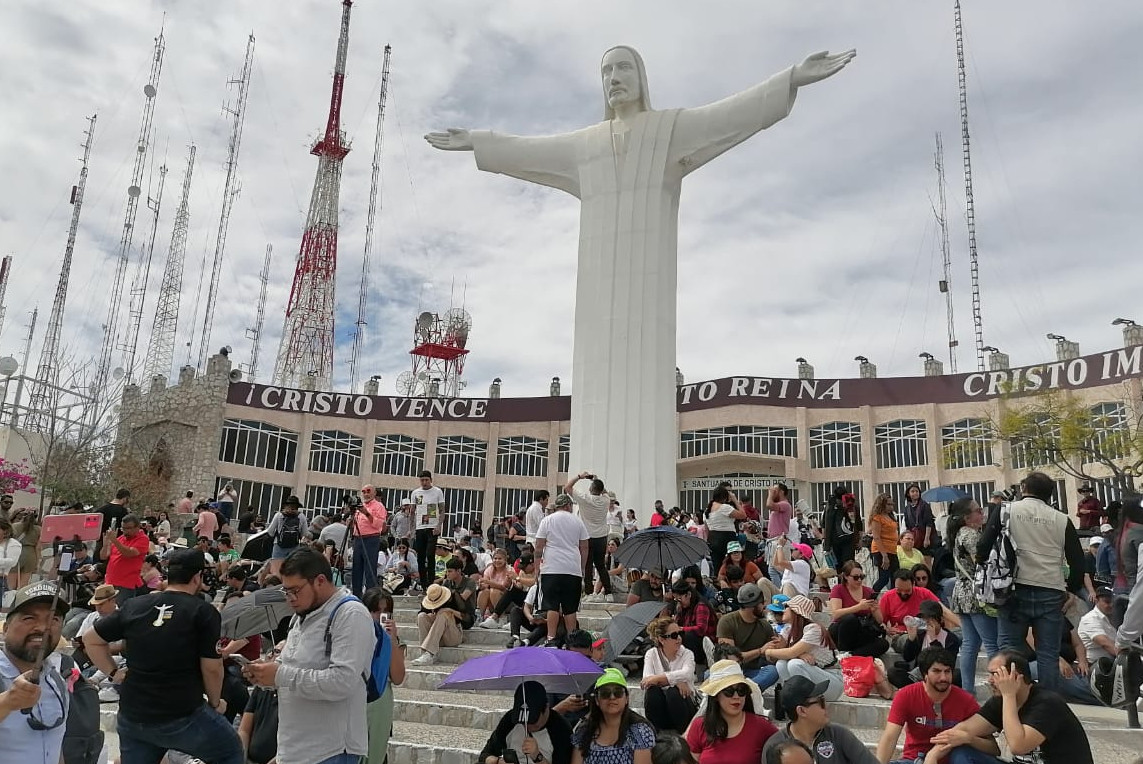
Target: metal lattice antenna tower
[
  {"x": 305, "y": 357},
  {"x": 969, "y": 209},
  {"x": 946, "y": 255},
  {"x": 23, "y": 365},
  {"x": 161, "y": 350},
  {"x": 5, "y": 272},
  {"x": 229, "y": 193},
  {"x": 44, "y": 393},
  {"x": 111, "y": 325},
  {"x": 141, "y": 282},
  {"x": 374, "y": 188},
  {"x": 254, "y": 334}
]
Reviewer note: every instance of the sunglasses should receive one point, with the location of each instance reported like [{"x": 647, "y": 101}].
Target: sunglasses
[
  {"x": 610, "y": 692},
  {"x": 739, "y": 690},
  {"x": 38, "y": 724},
  {"x": 858, "y": 577},
  {"x": 673, "y": 635},
  {"x": 820, "y": 702}
]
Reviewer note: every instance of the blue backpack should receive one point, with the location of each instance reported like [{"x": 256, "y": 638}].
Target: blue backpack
[{"x": 378, "y": 677}]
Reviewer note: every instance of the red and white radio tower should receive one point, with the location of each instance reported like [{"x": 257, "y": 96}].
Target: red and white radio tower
[{"x": 305, "y": 357}]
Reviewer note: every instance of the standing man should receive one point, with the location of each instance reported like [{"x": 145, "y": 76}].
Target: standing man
[
  {"x": 372, "y": 519},
  {"x": 113, "y": 513},
  {"x": 561, "y": 547},
  {"x": 593, "y": 507},
  {"x": 1045, "y": 541},
  {"x": 1089, "y": 510},
  {"x": 125, "y": 556},
  {"x": 777, "y": 524},
  {"x": 534, "y": 515},
  {"x": 186, "y": 504},
  {"x": 207, "y": 524},
  {"x": 926, "y": 708},
  {"x": 33, "y": 715},
  {"x": 172, "y": 647},
  {"x": 321, "y": 672},
  {"x": 402, "y": 522},
  {"x": 428, "y": 511}
]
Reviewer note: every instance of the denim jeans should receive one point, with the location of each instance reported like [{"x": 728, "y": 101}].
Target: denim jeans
[
  {"x": 976, "y": 629},
  {"x": 1075, "y": 689},
  {"x": 1042, "y": 610},
  {"x": 798, "y": 667},
  {"x": 341, "y": 758},
  {"x": 364, "y": 573},
  {"x": 205, "y": 734},
  {"x": 966, "y": 754},
  {"x": 766, "y": 676}
]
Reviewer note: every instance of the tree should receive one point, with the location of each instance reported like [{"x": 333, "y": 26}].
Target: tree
[
  {"x": 15, "y": 476},
  {"x": 1101, "y": 443}
]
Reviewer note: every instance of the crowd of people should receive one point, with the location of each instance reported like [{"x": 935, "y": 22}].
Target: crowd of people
[{"x": 776, "y": 609}]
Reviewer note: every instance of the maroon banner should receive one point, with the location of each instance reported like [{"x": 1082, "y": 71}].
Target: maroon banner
[{"x": 1088, "y": 371}]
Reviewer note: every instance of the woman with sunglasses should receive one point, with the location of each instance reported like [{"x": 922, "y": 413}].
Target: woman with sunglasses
[
  {"x": 668, "y": 670},
  {"x": 729, "y": 731},
  {"x": 612, "y": 733},
  {"x": 923, "y": 577},
  {"x": 856, "y": 619}
]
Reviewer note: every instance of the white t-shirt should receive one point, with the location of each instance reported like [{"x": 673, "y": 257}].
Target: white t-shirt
[
  {"x": 562, "y": 532},
  {"x": 720, "y": 519},
  {"x": 798, "y": 575},
  {"x": 593, "y": 512},
  {"x": 532, "y": 518},
  {"x": 428, "y": 506},
  {"x": 615, "y": 522},
  {"x": 812, "y": 634},
  {"x": 1091, "y": 626}
]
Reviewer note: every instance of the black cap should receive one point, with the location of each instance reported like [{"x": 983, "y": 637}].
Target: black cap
[
  {"x": 189, "y": 560},
  {"x": 1104, "y": 592},
  {"x": 797, "y": 690},
  {"x": 533, "y": 695}
]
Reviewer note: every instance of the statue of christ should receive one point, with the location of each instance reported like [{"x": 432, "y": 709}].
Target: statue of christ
[{"x": 627, "y": 172}]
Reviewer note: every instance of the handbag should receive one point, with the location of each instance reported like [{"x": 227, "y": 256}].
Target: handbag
[{"x": 858, "y": 675}]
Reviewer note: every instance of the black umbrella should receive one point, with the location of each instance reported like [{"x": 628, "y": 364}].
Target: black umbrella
[{"x": 255, "y": 613}]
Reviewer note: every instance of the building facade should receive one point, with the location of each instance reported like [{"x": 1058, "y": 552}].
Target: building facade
[{"x": 489, "y": 455}]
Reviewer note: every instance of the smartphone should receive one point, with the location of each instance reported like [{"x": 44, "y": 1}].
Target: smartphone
[
  {"x": 241, "y": 660},
  {"x": 385, "y": 618},
  {"x": 510, "y": 756}
]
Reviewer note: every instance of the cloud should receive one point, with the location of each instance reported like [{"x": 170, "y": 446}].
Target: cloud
[{"x": 815, "y": 238}]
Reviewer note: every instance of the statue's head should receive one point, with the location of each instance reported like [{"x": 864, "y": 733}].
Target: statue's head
[{"x": 624, "y": 80}]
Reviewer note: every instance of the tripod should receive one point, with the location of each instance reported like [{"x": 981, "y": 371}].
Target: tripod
[{"x": 349, "y": 517}]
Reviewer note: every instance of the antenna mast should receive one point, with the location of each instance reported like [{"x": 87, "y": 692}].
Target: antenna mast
[
  {"x": 229, "y": 192},
  {"x": 45, "y": 394},
  {"x": 374, "y": 187},
  {"x": 305, "y": 357},
  {"x": 161, "y": 350},
  {"x": 946, "y": 257},
  {"x": 24, "y": 365},
  {"x": 5, "y": 272},
  {"x": 142, "y": 279},
  {"x": 969, "y": 210},
  {"x": 110, "y": 327},
  {"x": 255, "y": 332}
]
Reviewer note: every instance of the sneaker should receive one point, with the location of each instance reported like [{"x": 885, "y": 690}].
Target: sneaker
[
  {"x": 489, "y": 623},
  {"x": 425, "y": 659},
  {"x": 109, "y": 695},
  {"x": 552, "y": 642},
  {"x": 515, "y": 642},
  {"x": 708, "y": 650}
]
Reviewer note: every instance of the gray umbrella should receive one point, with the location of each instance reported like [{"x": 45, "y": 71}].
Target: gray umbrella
[
  {"x": 256, "y": 613},
  {"x": 629, "y": 624}
]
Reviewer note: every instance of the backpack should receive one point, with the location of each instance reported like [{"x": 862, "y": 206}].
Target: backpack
[
  {"x": 83, "y": 739},
  {"x": 995, "y": 579},
  {"x": 378, "y": 675},
  {"x": 290, "y": 532}
]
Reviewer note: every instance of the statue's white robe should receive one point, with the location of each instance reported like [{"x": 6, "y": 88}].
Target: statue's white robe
[{"x": 627, "y": 176}]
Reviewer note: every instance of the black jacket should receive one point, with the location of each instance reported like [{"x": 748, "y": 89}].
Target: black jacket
[{"x": 558, "y": 730}]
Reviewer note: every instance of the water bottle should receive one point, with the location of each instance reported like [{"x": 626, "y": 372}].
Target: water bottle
[{"x": 912, "y": 622}]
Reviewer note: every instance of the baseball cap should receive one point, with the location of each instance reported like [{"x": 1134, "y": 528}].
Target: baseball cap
[
  {"x": 563, "y": 500},
  {"x": 806, "y": 550},
  {"x": 42, "y": 591},
  {"x": 407, "y": 502},
  {"x": 797, "y": 690},
  {"x": 1106, "y": 528},
  {"x": 190, "y": 560},
  {"x": 1094, "y": 540},
  {"x": 611, "y": 676},
  {"x": 1104, "y": 592},
  {"x": 532, "y": 695},
  {"x": 748, "y": 594}
]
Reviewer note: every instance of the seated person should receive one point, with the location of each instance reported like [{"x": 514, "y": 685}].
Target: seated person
[
  {"x": 748, "y": 629},
  {"x": 532, "y": 619},
  {"x": 695, "y": 617},
  {"x": 647, "y": 589},
  {"x": 794, "y": 562},
  {"x": 574, "y": 707},
  {"x": 1044, "y": 729},
  {"x": 908, "y": 556},
  {"x": 442, "y": 555},
  {"x": 447, "y": 610},
  {"x": 932, "y": 634},
  {"x": 525, "y": 576},
  {"x": 1074, "y": 684},
  {"x": 923, "y": 577},
  {"x": 402, "y": 563},
  {"x": 668, "y": 677},
  {"x": 543, "y": 737},
  {"x": 856, "y": 618},
  {"x": 238, "y": 580},
  {"x": 258, "y": 729},
  {"x": 692, "y": 574},
  {"x": 903, "y": 600},
  {"x": 736, "y": 557}
]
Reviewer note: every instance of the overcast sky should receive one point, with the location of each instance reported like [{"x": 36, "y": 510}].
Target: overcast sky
[{"x": 816, "y": 238}]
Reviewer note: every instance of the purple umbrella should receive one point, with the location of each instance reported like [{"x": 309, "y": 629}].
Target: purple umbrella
[{"x": 560, "y": 671}]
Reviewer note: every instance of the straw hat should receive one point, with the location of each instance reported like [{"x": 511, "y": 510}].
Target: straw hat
[
  {"x": 181, "y": 542},
  {"x": 436, "y": 597},
  {"x": 726, "y": 673},
  {"x": 103, "y": 593},
  {"x": 802, "y": 606}
]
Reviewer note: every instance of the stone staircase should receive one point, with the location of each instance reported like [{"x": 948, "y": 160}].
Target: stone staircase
[{"x": 433, "y": 726}]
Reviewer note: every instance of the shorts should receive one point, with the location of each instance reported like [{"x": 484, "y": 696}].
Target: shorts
[
  {"x": 561, "y": 591},
  {"x": 280, "y": 554}
]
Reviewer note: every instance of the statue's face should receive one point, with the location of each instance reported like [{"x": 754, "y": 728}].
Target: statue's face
[{"x": 620, "y": 77}]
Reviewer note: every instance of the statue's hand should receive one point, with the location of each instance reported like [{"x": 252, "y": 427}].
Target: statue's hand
[
  {"x": 820, "y": 65},
  {"x": 454, "y": 139}
]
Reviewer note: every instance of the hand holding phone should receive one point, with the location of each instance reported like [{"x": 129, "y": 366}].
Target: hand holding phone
[{"x": 240, "y": 659}]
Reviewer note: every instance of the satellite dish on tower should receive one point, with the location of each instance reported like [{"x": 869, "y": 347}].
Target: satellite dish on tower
[{"x": 405, "y": 383}]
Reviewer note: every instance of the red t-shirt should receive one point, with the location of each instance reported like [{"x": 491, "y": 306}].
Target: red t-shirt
[
  {"x": 657, "y": 519},
  {"x": 839, "y": 592},
  {"x": 914, "y": 710},
  {"x": 894, "y": 609},
  {"x": 745, "y": 746},
  {"x": 123, "y": 571}
]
